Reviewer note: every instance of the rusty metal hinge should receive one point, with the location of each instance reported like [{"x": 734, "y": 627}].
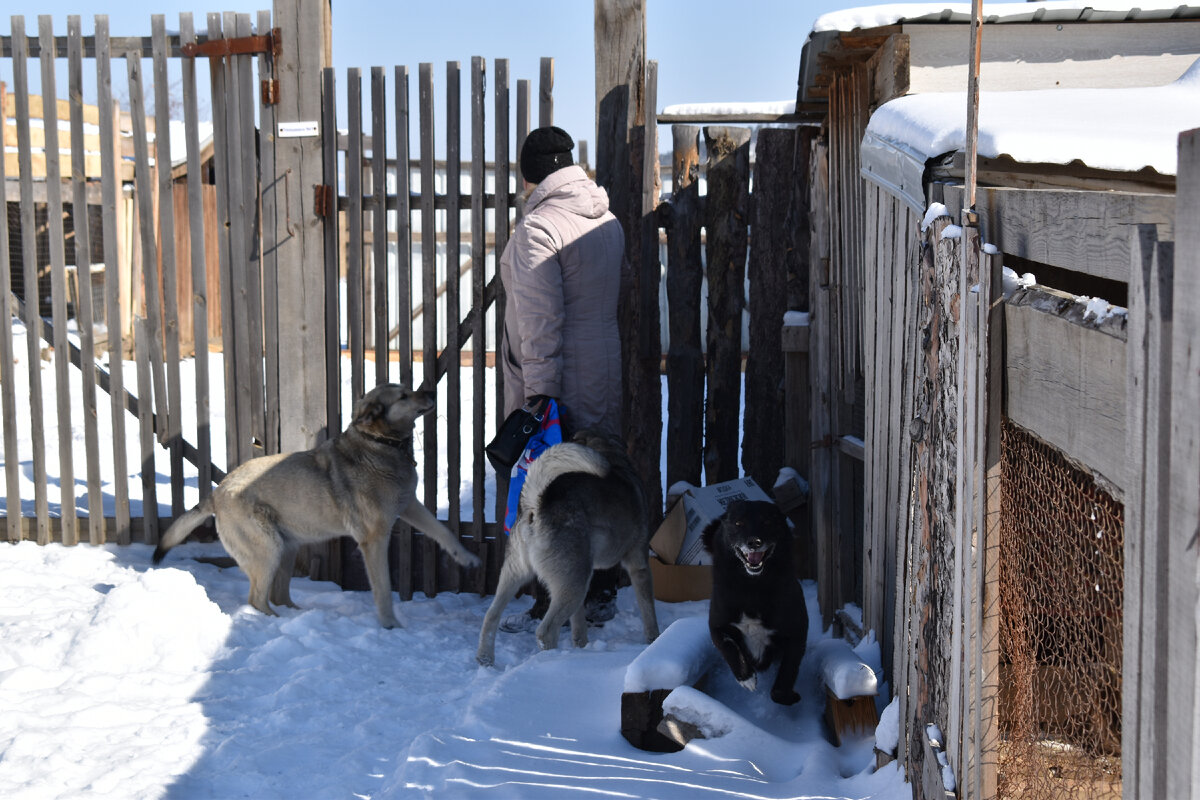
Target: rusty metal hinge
[
  {"x": 270, "y": 91},
  {"x": 245, "y": 45},
  {"x": 322, "y": 199}
]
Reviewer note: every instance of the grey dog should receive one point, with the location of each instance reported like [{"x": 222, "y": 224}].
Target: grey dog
[
  {"x": 357, "y": 483},
  {"x": 582, "y": 508}
]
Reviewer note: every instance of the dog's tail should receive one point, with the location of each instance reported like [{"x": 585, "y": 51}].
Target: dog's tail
[
  {"x": 182, "y": 528},
  {"x": 557, "y": 461}
]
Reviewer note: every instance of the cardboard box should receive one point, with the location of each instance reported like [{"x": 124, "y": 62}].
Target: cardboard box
[{"x": 682, "y": 568}]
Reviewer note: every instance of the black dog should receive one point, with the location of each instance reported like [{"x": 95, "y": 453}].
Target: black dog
[{"x": 757, "y": 613}]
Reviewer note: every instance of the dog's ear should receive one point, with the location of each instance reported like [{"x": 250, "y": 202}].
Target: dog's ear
[{"x": 366, "y": 410}]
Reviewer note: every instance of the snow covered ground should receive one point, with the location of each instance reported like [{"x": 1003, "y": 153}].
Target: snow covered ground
[{"x": 122, "y": 680}]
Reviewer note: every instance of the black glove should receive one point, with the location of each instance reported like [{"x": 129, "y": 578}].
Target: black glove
[{"x": 537, "y": 403}]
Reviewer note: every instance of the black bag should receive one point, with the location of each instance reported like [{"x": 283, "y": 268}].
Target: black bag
[{"x": 515, "y": 432}]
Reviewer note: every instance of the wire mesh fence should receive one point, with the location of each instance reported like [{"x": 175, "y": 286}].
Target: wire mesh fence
[{"x": 1061, "y": 585}]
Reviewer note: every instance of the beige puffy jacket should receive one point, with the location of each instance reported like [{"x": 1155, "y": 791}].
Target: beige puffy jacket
[{"x": 562, "y": 271}]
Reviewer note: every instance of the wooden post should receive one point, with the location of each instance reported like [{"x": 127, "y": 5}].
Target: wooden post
[
  {"x": 725, "y": 217},
  {"x": 772, "y": 260},
  {"x": 1183, "y": 524},
  {"x": 972, "y": 144},
  {"x": 685, "y": 277},
  {"x": 620, "y": 43},
  {"x": 305, "y": 31},
  {"x": 643, "y": 384}
]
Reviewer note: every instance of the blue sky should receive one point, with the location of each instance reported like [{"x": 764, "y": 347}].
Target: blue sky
[{"x": 707, "y": 51}]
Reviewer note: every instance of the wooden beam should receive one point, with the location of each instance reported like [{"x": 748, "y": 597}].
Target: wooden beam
[
  {"x": 1056, "y": 360},
  {"x": 1083, "y": 231}
]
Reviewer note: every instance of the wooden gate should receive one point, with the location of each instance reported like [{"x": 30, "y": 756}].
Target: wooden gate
[
  {"x": 412, "y": 284},
  {"x": 145, "y": 206}
]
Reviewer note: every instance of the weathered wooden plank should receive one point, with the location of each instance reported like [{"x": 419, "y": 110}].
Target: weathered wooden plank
[
  {"x": 620, "y": 57},
  {"x": 403, "y": 229},
  {"x": 305, "y": 29},
  {"x": 725, "y": 216},
  {"x": 987, "y": 719},
  {"x": 772, "y": 260},
  {"x": 246, "y": 230},
  {"x": 241, "y": 348},
  {"x": 83, "y": 267},
  {"x": 1055, "y": 362},
  {"x": 1146, "y": 504},
  {"x": 402, "y": 532},
  {"x": 58, "y": 283},
  {"x": 429, "y": 315},
  {"x": 478, "y": 330},
  {"x": 110, "y": 220},
  {"x": 820, "y": 347},
  {"x": 142, "y": 350},
  {"x": 8, "y": 398},
  {"x": 379, "y": 260},
  {"x": 546, "y": 92},
  {"x": 453, "y": 344},
  {"x": 355, "y": 333},
  {"x": 1087, "y": 232},
  {"x": 878, "y": 387},
  {"x": 1184, "y": 516},
  {"x": 144, "y": 192},
  {"x": 332, "y": 272},
  {"x": 685, "y": 277},
  {"x": 166, "y": 232},
  {"x": 504, "y": 178},
  {"x": 221, "y": 149},
  {"x": 965, "y": 438},
  {"x": 643, "y": 349},
  {"x": 268, "y": 257},
  {"x": 199, "y": 263}
]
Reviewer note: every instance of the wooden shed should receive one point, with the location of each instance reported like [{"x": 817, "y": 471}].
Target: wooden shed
[{"x": 956, "y": 404}]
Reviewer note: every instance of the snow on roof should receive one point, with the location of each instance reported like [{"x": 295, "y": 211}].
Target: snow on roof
[
  {"x": 767, "y": 107},
  {"x": 1051, "y": 11},
  {"x": 1123, "y": 130}
]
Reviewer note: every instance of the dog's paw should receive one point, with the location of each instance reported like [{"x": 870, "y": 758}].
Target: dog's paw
[
  {"x": 750, "y": 683},
  {"x": 470, "y": 560},
  {"x": 485, "y": 659},
  {"x": 785, "y": 697}
]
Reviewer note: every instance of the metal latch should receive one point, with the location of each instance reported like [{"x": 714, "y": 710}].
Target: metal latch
[
  {"x": 245, "y": 45},
  {"x": 322, "y": 199},
  {"x": 270, "y": 91}
]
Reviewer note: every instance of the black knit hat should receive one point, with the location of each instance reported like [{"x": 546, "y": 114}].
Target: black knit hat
[{"x": 545, "y": 151}]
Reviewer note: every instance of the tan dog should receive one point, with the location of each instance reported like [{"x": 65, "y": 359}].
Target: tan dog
[{"x": 357, "y": 483}]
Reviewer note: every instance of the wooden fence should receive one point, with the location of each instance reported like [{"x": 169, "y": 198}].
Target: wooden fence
[
  {"x": 408, "y": 272},
  {"x": 951, "y": 361}
]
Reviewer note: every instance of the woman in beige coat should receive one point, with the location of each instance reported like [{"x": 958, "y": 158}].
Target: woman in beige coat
[{"x": 561, "y": 273}]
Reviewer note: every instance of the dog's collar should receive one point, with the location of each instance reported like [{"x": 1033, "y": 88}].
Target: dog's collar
[{"x": 397, "y": 443}]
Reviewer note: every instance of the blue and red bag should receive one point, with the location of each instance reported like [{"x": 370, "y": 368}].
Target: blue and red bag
[{"x": 550, "y": 433}]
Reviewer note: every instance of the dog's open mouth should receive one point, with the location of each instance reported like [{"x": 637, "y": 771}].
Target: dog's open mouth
[{"x": 754, "y": 556}]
